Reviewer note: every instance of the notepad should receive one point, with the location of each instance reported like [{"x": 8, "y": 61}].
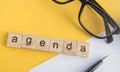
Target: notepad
[{"x": 99, "y": 49}]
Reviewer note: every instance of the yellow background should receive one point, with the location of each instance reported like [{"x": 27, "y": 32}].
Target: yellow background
[{"x": 43, "y": 18}]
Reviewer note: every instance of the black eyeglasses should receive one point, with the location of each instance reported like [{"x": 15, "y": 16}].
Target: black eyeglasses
[{"x": 110, "y": 27}]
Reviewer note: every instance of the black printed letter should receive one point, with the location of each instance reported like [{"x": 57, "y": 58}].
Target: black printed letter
[
  {"x": 42, "y": 43},
  {"x": 55, "y": 44},
  {"x": 83, "y": 49},
  {"x": 14, "y": 39},
  {"x": 69, "y": 46},
  {"x": 28, "y": 41}
]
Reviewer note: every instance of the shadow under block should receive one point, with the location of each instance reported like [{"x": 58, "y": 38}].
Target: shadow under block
[
  {"x": 70, "y": 47},
  {"x": 29, "y": 41},
  {"x": 56, "y": 45},
  {"x": 82, "y": 49},
  {"x": 42, "y": 43},
  {"x": 14, "y": 39}
]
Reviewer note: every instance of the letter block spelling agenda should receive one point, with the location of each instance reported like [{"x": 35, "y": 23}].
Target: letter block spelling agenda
[{"x": 31, "y": 41}]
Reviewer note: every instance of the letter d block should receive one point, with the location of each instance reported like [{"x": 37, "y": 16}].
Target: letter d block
[
  {"x": 14, "y": 39},
  {"x": 83, "y": 49},
  {"x": 29, "y": 41},
  {"x": 70, "y": 47}
]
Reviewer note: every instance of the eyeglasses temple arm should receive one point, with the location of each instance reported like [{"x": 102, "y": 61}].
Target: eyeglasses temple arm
[
  {"x": 110, "y": 20},
  {"x": 107, "y": 29}
]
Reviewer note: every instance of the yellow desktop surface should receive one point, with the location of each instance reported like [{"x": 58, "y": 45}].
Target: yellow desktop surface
[{"x": 43, "y": 18}]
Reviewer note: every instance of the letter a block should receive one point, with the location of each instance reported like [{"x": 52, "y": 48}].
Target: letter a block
[
  {"x": 56, "y": 45},
  {"x": 14, "y": 39},
  {"x": 29, "y": 41},
  {"x": 83, "y": 49},
  {"x": 42, "y": 43},
  {"x": 70, "y": 47}
]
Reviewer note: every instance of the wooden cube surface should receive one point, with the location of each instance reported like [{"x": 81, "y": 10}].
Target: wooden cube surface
[
  {"x": 83, "y": 49},
  {"x": 42, "y": 43},
  {"x": 56, "y": 45},
  {"x": 29, "y": 41},
  {"x": 70, "y": 47},
  {"x": 14, "y": 39}
]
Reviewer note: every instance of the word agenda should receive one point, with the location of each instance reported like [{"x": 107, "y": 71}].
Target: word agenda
[{"x": 29, "y": 41}]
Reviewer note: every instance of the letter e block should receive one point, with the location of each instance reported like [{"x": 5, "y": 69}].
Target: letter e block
[
  {"x": 83, "y": 49},
  {"x": 70, "y": 47},
  {"x": 56, "y": 45},
  {"x": 14, "y": 39},
  {"x": 42, "y": 43},
  {"x": 29, "y": 41}
]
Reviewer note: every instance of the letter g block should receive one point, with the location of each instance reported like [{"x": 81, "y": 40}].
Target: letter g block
[{"x": 28, "y": 41}]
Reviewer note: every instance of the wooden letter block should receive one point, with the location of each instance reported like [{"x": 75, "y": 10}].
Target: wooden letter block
[
  {"x": 14, "y": 39},
  {"x": 29, "y": 41},
  {"x": 70, "y": 47},
  {"x": 83, "y": 49},
  {"x": 56, "y": 45},
  {"x": 42, "y": 43}
]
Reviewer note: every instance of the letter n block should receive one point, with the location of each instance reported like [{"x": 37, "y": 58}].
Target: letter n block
[
  {"x": 29, "y": 41},
  {"x": 70, "y": 47},
  {"x": 14, "y": 39},
  {"x": 42, "y": 43},
  {"x": 56, "y": 45},
  {"x": 83, "y": 49}
]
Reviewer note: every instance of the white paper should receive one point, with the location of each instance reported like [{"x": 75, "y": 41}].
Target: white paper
[{"x": 98, "y": 49}]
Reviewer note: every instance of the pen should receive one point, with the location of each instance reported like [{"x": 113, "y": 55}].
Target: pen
[{"x": 95, "y": 65}]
